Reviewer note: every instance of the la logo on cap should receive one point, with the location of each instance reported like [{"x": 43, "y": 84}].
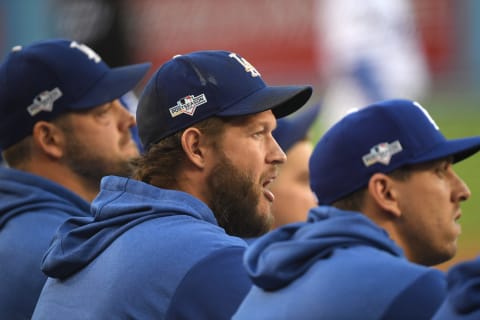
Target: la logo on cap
[
  {"x": 92, "y": 55},
  {"x": 247, "y": 65}
]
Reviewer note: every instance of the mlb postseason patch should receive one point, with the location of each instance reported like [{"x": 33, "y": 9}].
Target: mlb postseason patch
[
  {"x": 44, "y": 101},
  {"x": 187, "y": 105},
  {"x": 382, "y": 153}
]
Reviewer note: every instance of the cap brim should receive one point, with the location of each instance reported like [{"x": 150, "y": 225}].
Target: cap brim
[
  {"x": 282, "y": 100},
  {"x": 459, "y": 149},
  {"x": 115, "y": 83}
]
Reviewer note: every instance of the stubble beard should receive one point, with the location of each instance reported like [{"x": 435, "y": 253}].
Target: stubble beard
[{"x": 90, "y": 165}]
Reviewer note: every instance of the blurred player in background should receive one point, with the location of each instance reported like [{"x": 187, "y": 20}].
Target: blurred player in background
[
  {"x": 293, "y": 196},
  {"x": 370, "y": 51}
]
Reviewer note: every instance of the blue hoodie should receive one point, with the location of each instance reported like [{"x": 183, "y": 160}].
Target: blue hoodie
[
  {"x": 337, "y": 265},
  {"x": 31, "y": 209},
  {"x": 149, "y": 253},
  {"x": 463, "y": 297}
]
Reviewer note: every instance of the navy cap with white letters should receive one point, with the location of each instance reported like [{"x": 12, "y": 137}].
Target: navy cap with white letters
[
  {"x": 195, "y": 86},
  {"x": 50, "y": 77},
  {"x": 381, "y": 137}
]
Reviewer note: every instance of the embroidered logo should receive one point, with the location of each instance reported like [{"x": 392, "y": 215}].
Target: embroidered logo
[
  {"x": 92, "y": 55},
  {"x": 187, "y": 105},
  {"x": 44, "y": 101},
  {"x": 247, "y": 65},
  {"x": 382, "y": 153}
]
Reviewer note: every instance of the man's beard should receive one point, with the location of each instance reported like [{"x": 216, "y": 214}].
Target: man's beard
[
  {"x": 92, "y": 165},
  {"x": 234, "y": 198}
]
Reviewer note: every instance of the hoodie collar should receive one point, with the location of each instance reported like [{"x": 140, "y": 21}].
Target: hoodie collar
[
  {"x": 284, "y": 254},
  {"x": 23, "y": 192},
  {"x": 121, "y": 204}
]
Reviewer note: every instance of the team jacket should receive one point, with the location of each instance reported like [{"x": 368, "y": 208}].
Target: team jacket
[
  {"x": 337, "y": 265},
  {"x": 463, "y": 297},
  {"x": 31, "y": 209},
  {"x": 149, "y": 253}
]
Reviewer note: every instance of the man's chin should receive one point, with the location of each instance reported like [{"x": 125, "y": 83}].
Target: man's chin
[
  {"x": 131, "y": 153},
  {"x": 266, "y": 220}
]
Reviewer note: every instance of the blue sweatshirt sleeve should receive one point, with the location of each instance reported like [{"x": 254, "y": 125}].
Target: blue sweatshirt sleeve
[
  {"x": 463, "y": 300},
  {"x": 421, "y": 299},
  {"x": 213, "y": 288}
]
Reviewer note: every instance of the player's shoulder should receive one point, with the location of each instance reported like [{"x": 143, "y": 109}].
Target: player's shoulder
[
  {"x": 420, "y": 298},
  {"x": 186, "y": 232}
]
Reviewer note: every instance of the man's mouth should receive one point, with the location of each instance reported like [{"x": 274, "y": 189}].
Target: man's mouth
[
  {"x": 266, "y": 192},
  {"x": 457, "y": 215}
]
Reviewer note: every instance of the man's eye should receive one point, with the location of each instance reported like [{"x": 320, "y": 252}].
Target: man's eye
[
  {"x": 103, "y": 111},
  {"x": 442, "y": 168}
]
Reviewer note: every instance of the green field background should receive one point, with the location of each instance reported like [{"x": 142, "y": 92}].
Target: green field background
[{"x": 458, "y": 116}]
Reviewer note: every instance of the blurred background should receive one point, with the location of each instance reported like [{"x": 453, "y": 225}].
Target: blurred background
[{"x": 352, "y": 52}]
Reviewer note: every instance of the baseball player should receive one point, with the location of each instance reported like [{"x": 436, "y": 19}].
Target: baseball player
[
  {"x": 168, "y": 244},
  {"x": 62, "y": 128},
  {"x": 389, "y": 201}
]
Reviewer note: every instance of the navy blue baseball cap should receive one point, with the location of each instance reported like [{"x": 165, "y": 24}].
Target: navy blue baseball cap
[
  {"x": 381, "y": 137},
  {"x": 292, "y": 129},
  {"x": 192, "y": 87},
  {"x": 47, "y": 78}
]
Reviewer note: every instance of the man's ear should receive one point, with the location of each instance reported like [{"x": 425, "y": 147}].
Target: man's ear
[
  {"x": 49, "y": 138},
  {"x": 193, "y": 141},
  {"x": 383, "y": 190}
]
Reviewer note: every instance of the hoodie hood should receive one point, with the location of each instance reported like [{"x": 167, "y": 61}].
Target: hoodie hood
[
  {"x": 121, "y": 204},
  {"x": 22, "y": 192},
  {"x": 464, "y": 287},
  {"x": 283, "y": 255}
]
